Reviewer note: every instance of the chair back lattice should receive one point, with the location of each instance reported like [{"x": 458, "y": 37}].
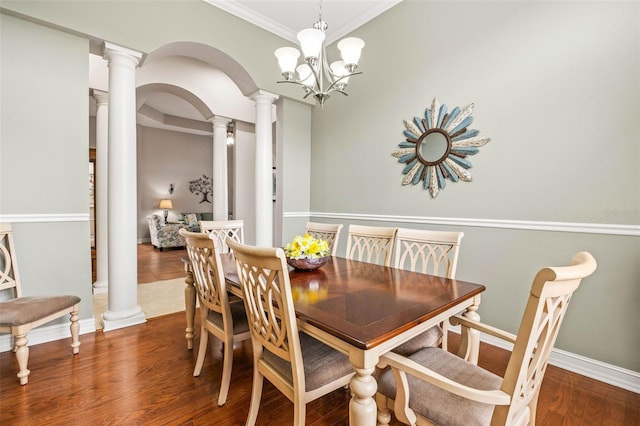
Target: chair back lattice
[
  {"x": 207, "y": 271},
  {"x": 429, "y": 252},
  {"x": 325, "y": 231},
  {"x": 266, "y": 290},
  {"x": 9, "y": 278},
  {"x": 219, "y": 230},
  {"x": 371, "y": 244},
  {"x": 547, "y": 305}
]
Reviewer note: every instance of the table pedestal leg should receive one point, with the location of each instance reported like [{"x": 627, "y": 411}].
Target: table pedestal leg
[
  {"x": 189, "y": 303},
  {"x": 362, "y": 407}
]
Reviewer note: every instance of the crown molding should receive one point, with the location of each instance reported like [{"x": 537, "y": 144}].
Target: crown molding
[{"x": 254, "y": 18}]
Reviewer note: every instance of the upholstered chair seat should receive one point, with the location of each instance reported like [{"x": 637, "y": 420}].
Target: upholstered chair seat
[
  {"x": 25, "y": 310},
  {"x": 437, "y": 404},
  {"x": 322, "y": 364}
]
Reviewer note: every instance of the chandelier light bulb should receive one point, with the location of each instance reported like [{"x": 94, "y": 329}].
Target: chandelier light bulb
[
  {"x": 350, "y": 49},
  {"x": 338, "y": 69},
  {"x": 287, "y": 59},
  {"x": 311, "y": 42},
  {"x": 305, "y": 75}
]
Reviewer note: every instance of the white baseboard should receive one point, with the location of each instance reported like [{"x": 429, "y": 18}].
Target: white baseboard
[
  {"x": 49, "y": 334},
  {"x": 601, "y": 371}
]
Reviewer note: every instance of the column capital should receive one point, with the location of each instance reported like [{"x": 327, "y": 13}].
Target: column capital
[
  {"x": 102, "y": 98},
  {"x": 218, "y": 120},
  {"x": 263, "y": 95},
  {"x": 113, "y": 51}
]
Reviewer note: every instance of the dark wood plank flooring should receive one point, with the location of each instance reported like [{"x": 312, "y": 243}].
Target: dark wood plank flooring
[
  {"x": 156, "y": 265},
  {"x": 142, "y": 375}
]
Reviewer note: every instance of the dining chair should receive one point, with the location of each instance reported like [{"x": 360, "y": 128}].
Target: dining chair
[
  {"x": 20, "y": 314},
  {"x": 433, "y": 253},
  {"x": 219, "y": 316},
  {"x": 219, "y": 230},
  {"x": 301, "y": 367},
  {"x": 371, "y": 244},
  {"x": 326, "y": 231},
  {"x": 434, "y": 386}
]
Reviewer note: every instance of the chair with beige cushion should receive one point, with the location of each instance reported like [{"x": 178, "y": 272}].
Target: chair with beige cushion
[
  {"x": 224, "y": 319},
  {"x": 19, "y": 314},
  {"x": 428, "y": 252},
  {"x": 219, "y": 230},
  {"x": 371, "y": 244},
  {"x": 434, "y": 386},
  {"x": 301, "y": 367},
  {"x": 326, "y": 231}
]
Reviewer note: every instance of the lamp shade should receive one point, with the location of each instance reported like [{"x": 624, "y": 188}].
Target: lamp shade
[
  {"x": 350, "y": 49},
  {"x": 305, "y": 75},
  {"x": 287, "y": 58},
  {"x": 311, "y": 42},
  {"x": 165, "y": 204},
  {"x": 338, "y": 69}
]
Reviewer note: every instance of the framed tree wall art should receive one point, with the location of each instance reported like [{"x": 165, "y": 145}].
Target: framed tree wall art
[{"x": 437, "y": 146}]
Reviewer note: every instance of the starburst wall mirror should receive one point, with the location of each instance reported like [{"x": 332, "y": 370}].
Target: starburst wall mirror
[{"x": 437, "y": 146}]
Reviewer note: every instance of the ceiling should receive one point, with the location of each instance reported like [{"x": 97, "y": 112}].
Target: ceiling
[
  {"x": 286, "y": 17},
  {"x": 283, "y": 18}
]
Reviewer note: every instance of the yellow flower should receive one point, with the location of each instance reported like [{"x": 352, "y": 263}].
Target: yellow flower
[{"x": 306, "y": 246}]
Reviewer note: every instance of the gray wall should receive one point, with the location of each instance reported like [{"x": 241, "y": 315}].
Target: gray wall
[
  {"x": 556, "y": 87},
  {"x": 44, "y": 157},
  {"x": 166, "y": 157}
]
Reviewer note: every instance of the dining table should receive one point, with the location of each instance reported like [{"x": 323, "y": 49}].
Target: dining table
[{"x": 365, "y": 310}]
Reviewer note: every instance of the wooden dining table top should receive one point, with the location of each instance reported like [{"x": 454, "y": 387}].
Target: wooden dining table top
[{"x": 365, "y": 304}]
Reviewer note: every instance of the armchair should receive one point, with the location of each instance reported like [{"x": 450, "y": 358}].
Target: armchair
[
  {"x": 164, "y": 236},
  {"x": 433, "y": 386}
]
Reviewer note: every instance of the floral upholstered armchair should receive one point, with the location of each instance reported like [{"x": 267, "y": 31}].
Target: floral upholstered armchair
[{"x": 163, "y": 236}]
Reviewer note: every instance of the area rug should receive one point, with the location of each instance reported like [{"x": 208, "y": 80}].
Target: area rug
[{"x": 155, "y": 299}]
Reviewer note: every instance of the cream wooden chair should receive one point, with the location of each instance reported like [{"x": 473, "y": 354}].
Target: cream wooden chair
[
  {"x": 19, "y": 314},
  {"x": 300, "y": 366},
  {"x": 436, "y": 387},
  {"x": 371, "y": 244},
  {"x": 224, "y": 319},
  {"x": 326, "y": 231},
  {"x": 429, "y": 252},
  {"x": 219, "y": 230}
]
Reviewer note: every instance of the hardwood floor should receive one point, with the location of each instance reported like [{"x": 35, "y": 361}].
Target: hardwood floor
[
  {"x": 142, "y": 375},
  {"x": 156, "y": 265}
]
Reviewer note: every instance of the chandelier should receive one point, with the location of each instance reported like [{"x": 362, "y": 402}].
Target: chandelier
[{"x": 315, "y": 75}]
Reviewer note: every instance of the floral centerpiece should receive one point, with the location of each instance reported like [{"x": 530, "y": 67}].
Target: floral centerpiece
[{"x": 306, "y": 252}]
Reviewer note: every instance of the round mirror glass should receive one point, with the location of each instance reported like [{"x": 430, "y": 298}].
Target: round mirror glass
[{"x": 433, "y": 147}]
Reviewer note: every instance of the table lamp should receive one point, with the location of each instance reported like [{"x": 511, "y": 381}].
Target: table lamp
[{"x": 166, "y": 205}]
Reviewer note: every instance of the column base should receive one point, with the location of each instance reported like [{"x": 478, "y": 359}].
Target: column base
[
  {"x": 115, "y": 320},
  {"x": 100, "y": 287}
]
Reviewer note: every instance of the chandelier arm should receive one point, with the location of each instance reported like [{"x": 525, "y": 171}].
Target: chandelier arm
[
  {"x": 317, "y": 75},
  {"x": 309, "y": 90},
  {"x": 331, "y": 88}
]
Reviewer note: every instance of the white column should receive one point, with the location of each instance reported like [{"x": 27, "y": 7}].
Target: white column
[
  {"x": 220, "y": 172},
  {"x": 264, "y": 164},
  {"x": 123, "y": 309},
  {"x": 102, "y": 256}
]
